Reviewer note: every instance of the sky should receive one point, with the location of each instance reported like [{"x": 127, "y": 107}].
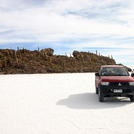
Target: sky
[{"x": 67, "y": 25}]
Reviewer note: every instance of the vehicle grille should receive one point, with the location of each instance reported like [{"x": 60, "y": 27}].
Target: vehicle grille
[
  {"x": 119, "y": 84},
  {"x": 127, "y": 90}
]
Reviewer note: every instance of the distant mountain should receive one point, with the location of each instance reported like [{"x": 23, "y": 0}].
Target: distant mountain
[{"x": 30, "y": 62}]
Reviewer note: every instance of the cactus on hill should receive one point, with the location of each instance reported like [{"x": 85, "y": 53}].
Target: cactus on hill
[{"x": 24, "y": 61}]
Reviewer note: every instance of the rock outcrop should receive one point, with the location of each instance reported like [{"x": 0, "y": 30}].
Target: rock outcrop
[{"x": 48, "y": 51}]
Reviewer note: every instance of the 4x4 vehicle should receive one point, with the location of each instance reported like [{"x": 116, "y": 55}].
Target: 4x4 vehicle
[{"x": 114, "y": 80}]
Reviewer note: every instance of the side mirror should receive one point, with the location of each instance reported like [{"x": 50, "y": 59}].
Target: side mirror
[
  {"x": 132, "y": 74},
  {"x": 97, "y": 74}
]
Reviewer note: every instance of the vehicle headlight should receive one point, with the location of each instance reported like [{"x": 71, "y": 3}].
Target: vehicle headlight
[
  {"x": 131, "y": 83},
  {"x": 105, "y": 83}
]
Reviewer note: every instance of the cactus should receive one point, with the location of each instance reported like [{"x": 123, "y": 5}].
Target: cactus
[
  {"x": 63, "y": 64},
  {"x": 15, "y": 54},
  {"x": 18, "y": 48},
  {"x": 69, "y": 65},
  {"x": 74, "y": 61},
  {"x": 83, "y": 62},
  {"x": 43, "y": 54},
  {"x": 20, "y": 56},
  {"x": 5, "y": 62},
  {"x": 23, "y": 50},
  {"x": 50, "y": 60},
  {"x": 0, "y": 65},
  {"x": 96, "y": 52},
  {"x": 51, "y": 64},
  {"x": 11, "y": 50},
  {"x": 17, "y": 62},
  {"x": 8, "y": 55},
  {"x": 32, "y": 56}
]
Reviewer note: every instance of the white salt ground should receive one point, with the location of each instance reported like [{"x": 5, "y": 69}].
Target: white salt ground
[{"x": 60, "y": 104}]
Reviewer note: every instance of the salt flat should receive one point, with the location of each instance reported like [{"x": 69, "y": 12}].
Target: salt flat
[{"x": 60, "y": 104}]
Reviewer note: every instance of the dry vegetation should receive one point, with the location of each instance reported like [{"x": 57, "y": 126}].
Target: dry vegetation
[{"x": 29, "y": 62}]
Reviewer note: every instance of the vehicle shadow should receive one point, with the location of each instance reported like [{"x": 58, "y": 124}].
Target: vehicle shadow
[{"x": 90, "y": 101}]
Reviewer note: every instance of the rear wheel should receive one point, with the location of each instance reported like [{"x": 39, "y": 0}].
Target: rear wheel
[
  {"x": 100, "y": 95},
  {"x": 132, "y": 98}
]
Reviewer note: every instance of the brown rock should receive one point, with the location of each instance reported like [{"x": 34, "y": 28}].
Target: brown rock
[
  {"x": 48, "y": 51},
  {"x": 77, "y": 54}
]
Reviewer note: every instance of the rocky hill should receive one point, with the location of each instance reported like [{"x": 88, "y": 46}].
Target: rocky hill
[{"x": 29, "y": 62}]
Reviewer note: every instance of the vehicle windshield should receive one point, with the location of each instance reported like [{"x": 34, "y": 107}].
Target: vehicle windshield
[{"x": 119, "y": 71}]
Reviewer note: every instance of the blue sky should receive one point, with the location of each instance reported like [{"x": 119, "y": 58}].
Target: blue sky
[{"x": 68, "y": 25}]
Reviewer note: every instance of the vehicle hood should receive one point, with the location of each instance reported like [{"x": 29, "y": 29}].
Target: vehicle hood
[{"x": 117, "y": 78}]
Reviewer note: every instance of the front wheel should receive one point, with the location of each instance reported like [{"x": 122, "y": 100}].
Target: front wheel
[
  {"x": 132, "y": 98},
  {"x": 100, "y": 95},
  {"x": 96, "y": 90}
]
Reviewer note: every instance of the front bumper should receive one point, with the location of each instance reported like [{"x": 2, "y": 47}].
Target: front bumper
[{"x": 108, "y": 91}]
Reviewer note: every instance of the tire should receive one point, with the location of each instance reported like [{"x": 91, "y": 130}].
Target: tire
[
  {"x": 132, "y": 98},
  {"x": 96, "y": 90},
  {"x": 100, "y": 96}
]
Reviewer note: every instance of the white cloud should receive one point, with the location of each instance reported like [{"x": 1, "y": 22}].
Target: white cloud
[{"x": 98, "y": 23}]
